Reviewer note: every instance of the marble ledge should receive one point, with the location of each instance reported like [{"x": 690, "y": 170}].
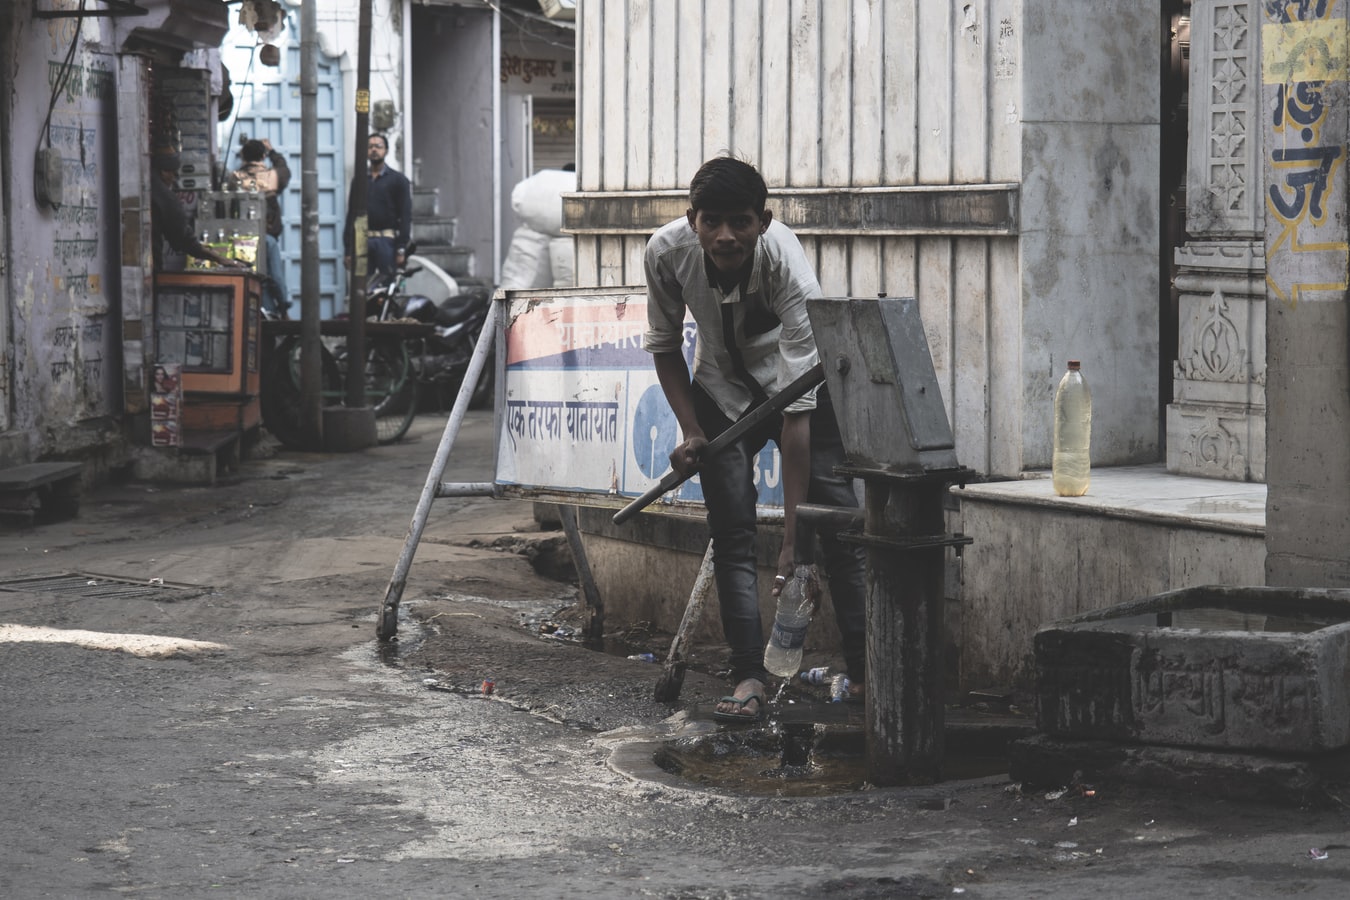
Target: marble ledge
[{"x": 1142, "y": 493}]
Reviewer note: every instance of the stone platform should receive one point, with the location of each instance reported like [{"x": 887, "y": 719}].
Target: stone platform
[
  {"x": 1039, "y": 558},
  {"x": 1170, "y": 670},
  {"x": 43, "y": 491},
  {"x": 1036, "y": 558},
  {"x": 1233, "y": 692}
]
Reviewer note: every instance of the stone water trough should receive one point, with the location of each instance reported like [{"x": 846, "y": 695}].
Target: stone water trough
[{"x": 1255, "y": 669}]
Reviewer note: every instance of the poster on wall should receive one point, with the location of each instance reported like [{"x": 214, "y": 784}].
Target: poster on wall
[
  {"x": 584, "y": 414},
  {"x": 166, "y": 405}
]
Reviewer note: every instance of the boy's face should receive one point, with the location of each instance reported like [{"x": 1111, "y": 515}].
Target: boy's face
[{"x": 728, "y": 237}]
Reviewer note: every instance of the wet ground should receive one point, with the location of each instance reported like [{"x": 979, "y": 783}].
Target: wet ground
[{"x": 299, "y": 758}]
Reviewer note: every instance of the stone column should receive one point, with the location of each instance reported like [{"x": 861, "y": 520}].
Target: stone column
[
  {"x": 1216, "y": 422},
  {"x": 1304, "y": 70}
]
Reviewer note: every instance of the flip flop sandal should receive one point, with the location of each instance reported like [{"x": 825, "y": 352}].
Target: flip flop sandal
[{"x": 741, "y": 717}]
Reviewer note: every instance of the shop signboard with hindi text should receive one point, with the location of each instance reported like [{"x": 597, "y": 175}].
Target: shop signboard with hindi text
[{"x": 582, "y": 416}]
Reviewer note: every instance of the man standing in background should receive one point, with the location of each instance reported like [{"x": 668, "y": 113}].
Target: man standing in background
[{"x": 388, "y": 213}]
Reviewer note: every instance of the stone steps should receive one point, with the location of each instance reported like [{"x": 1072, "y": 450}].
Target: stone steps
[
  {"x": 428, "y": 231},
  {"x": 426, "y": 202},
  {"x": 456, "y": 261}
]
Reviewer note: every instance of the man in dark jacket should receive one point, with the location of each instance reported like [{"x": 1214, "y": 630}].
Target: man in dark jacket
[{"x": 388, "y": 213}]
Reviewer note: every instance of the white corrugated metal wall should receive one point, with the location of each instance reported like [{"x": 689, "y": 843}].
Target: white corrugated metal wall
[{"x": 826, "y": 94}]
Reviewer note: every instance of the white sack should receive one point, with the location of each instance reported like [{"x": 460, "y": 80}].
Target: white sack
[
  {"x": 537, "y": 200},
  {"x": 527, "y": 264},
  {"x": 562, "y": 256}
]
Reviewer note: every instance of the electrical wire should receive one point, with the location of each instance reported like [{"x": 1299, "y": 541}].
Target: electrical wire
[
  {"x": 64, "y": 76},
  {"x": 234, "y": 121},
  {"x": 520, "y": 17}
]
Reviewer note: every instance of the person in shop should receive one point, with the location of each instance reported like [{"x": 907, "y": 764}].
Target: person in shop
[
  {"x": 388, "y": 212},
  {"x": 745, "y": 279},
  {"x": 168, "y": 223},
  {"x": 270, "y": 180}
]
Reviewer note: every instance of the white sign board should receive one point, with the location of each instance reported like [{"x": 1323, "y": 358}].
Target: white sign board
[{"x": 583, "y": 413}]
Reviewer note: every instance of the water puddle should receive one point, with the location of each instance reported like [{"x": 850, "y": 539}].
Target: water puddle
[
  {"x": 799, "y": 760},
  {"x": 813, "y": 752},
  {"x": 410, "y": 635}
]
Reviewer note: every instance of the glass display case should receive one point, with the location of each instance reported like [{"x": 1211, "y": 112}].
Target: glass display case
[{"x": 208, "y": 323}]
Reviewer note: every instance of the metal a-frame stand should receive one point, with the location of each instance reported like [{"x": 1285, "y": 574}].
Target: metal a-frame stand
[{"x": 387, "y": 625}]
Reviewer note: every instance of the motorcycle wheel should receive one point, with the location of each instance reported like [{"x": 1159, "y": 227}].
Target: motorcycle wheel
[
  {"x": 280, "y": 398},
  {"x": 482, "y": 395},
  {"x": 391, "y": 388}
]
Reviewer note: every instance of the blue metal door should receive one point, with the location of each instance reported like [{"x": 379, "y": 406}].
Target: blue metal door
[{"x": 267, "y": 105}]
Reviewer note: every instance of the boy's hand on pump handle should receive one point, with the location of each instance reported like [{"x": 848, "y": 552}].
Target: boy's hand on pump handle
[{"x": 685, "y": 458}]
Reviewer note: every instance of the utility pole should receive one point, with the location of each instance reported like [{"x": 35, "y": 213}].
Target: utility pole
[
  {"x": 356, "y": 340},
  {"x": 311, "y": 370},
  {"x": 1305, "y": 87},
  {"x": 352, "y": 427}
]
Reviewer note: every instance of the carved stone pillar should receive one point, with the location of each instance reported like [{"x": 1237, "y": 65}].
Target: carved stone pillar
[{"x": 1216, "y": 422}]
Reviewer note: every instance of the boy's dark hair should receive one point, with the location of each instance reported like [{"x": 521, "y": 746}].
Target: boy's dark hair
[
  {"x": 727, "y": 183},
  {"x": 253, "y": 151}
]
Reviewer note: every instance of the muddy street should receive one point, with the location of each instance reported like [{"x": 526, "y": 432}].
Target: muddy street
[{"x": 287, "y": 754}]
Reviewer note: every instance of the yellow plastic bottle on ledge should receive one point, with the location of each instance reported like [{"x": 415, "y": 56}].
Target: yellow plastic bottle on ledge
[{"x": 1071, "y": 466}]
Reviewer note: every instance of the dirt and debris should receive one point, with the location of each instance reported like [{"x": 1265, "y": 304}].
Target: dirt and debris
[{"x": 307, "y": 760}]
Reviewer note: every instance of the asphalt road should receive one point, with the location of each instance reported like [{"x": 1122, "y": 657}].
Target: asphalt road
[{"x": 285, "y": 754}]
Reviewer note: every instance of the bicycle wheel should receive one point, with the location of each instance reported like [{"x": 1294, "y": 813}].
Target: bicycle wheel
[
  {"x": 391, "y": 389},
  {"x": 280, "y": 398}
]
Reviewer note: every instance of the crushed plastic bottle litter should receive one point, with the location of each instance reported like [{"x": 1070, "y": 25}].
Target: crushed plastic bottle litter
[
  {"x": 818, "y": 675},
  {"x": 839, "y": 686}
]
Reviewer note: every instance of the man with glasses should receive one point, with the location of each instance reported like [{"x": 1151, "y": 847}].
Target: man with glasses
[{"x": 388, "y": 212}]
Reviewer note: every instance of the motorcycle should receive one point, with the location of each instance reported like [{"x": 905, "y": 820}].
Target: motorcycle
[{"x": 441, "y": 359}]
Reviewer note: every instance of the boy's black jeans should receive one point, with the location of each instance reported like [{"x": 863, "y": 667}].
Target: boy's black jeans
[{"x": 729, "y": 494}]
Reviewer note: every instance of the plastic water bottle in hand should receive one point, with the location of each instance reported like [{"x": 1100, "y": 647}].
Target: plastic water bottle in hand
[{"x": 796, "y": 602}]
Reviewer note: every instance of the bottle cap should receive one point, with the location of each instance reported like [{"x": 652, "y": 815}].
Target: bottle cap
[{"x": 1073, "y": 364}]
